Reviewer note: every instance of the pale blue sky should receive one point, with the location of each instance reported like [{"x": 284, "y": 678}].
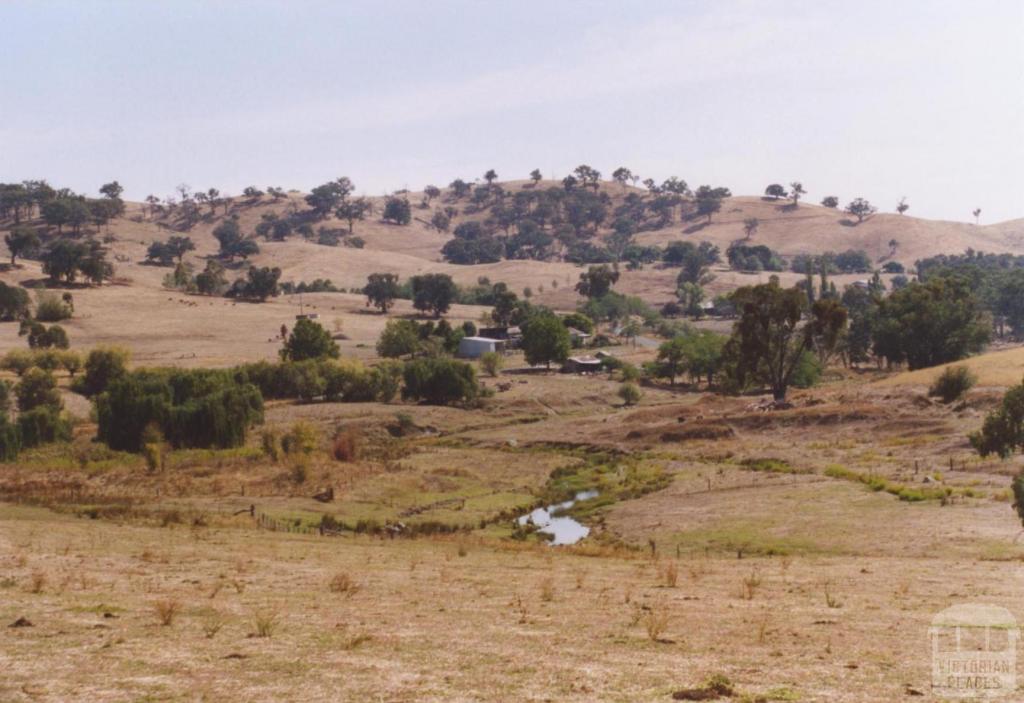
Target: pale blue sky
[{"x": 876, "y": 99}]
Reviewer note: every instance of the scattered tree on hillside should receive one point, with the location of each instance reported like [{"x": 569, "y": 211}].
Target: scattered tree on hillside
[
  {"x": 433, "y": 293},
  {"x": 588, "y": 176},
  {"x": 179, "y": 246},
  {"x": 861, "y": 209},
  {"x": 677, "y": 186},
  {"x": 397, "y": 210},
  {"x": 112, "y": 193},
  {"x": 381, "y": 289},
  {"x": 112, "y": 190},
  {"x": 535, "y": 176},
  {"x": 901, "y": 206},
  {"x": 460, "y": 188},
  {"x": 977, "y": 214},
  {"x": 796, "y": 189},
  {"x": 40, "y": 336},
  {"x": 252, "y": 192},
  {"x": 775, "y": 191},
  {"x": 103, "y": 211},
  {"x": 709, "y": 200},
  {"x": 750, "y": 226},
  {"x": 232, "y": 243},
  {"x": 695, "y": 260},
  {"x": 491, "y": 176},
  {"x": 441, "y": 220},
  {"x": 326, "y": 198},
  {"x": 276, "y": 193},
  {"x": 159, "y": 254},
  {"x": 21, "y": 240},
  {"x": 830, "y": 201},
  {"x": 211, "y": 281},
  {"x": 13, "y": 303},
  {"x": 352, "y": 210},
  {"x": 259, "y": 284},
  {"x": 66, "y": 259},
  {"x": 308, "y": 340},
  {"x": 597, "y": 281},
  {"x": 154, "y": 205},
  {"x": 622, "y": 175},
  {"x": 431, "y": 192}
]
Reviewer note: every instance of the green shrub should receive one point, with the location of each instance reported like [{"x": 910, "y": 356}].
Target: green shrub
[
  {"x": 629, "y": 393},
  {"x": 808, "y": 371},
  {"x": 349, "y": 381},
  {"x": 17, "y": 360},
  {"x": 10, "y": 441},
  {"x": 491, "y": 362},
  {"x": 309, "y": 340},
  {"x": 629, "y": 373},
  {"x": 387, "y": 380},
  {"x": 103, "y": 366},
  {"x": 198, "y": 408},
  {"x": 952, "y": 383},
  {"x": 270, "y": 440},
  {"x": 50, "y": 308},
  {"x": 37, "y": 388},
  {"x": 41, "y": 425},
  {"x": 440, "y": 381},
  {"x": 302, "y": 438}
]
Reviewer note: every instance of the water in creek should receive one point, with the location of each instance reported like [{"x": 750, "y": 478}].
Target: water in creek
[{"x": 563, "y": 529}]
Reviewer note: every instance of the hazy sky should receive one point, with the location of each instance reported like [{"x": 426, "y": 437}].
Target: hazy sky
[{"x": 923, "y": 99}]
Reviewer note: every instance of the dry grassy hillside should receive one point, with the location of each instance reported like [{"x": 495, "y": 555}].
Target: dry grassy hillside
[
  {"x": 165, "y": 326},
  {"x": 999, "y": 369}
]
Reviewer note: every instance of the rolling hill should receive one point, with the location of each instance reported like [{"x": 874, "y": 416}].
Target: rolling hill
[{"x": 167, "y": 327}]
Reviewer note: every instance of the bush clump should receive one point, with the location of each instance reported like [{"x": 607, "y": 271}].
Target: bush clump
[
  {"x": 952, "y": 383},
  {"x": 191, "y": 408},
  {"x": 440, "y": 381}
]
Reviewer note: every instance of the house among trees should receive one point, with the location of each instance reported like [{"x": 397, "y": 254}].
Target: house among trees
[
  {"x": 512, "y": 336},
  {"x": 578, "y": 337},
  {"x": 582, "y": 364},
  {"x": 475, "y": 347}
]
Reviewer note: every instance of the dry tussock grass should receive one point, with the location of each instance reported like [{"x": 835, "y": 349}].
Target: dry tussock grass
[
  {"x": 166, "y": 610},
  {"x": 342, "y": 583}
]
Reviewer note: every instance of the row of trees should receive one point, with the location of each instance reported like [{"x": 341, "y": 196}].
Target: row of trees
[{"x": 60, "y": 207}]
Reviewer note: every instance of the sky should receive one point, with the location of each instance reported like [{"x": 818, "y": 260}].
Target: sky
[{"x": 883, "y": 100}]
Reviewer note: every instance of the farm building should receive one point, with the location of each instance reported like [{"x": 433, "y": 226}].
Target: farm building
[
  {"x": 473, "y": 347},
  {"x": 578, "y": 338},
  {"x": 582, "y": 364},
  {"x": 512, "y": 336}
]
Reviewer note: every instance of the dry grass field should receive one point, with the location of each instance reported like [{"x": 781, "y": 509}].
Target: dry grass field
[
  {"x": 761, "y": 554},
  {"x": 800, "y": 553}
]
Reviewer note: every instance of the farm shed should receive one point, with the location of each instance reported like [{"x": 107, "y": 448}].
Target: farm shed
[
  {"x": 473, "y": 347},
  {"x": 582, "y": 364}
]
